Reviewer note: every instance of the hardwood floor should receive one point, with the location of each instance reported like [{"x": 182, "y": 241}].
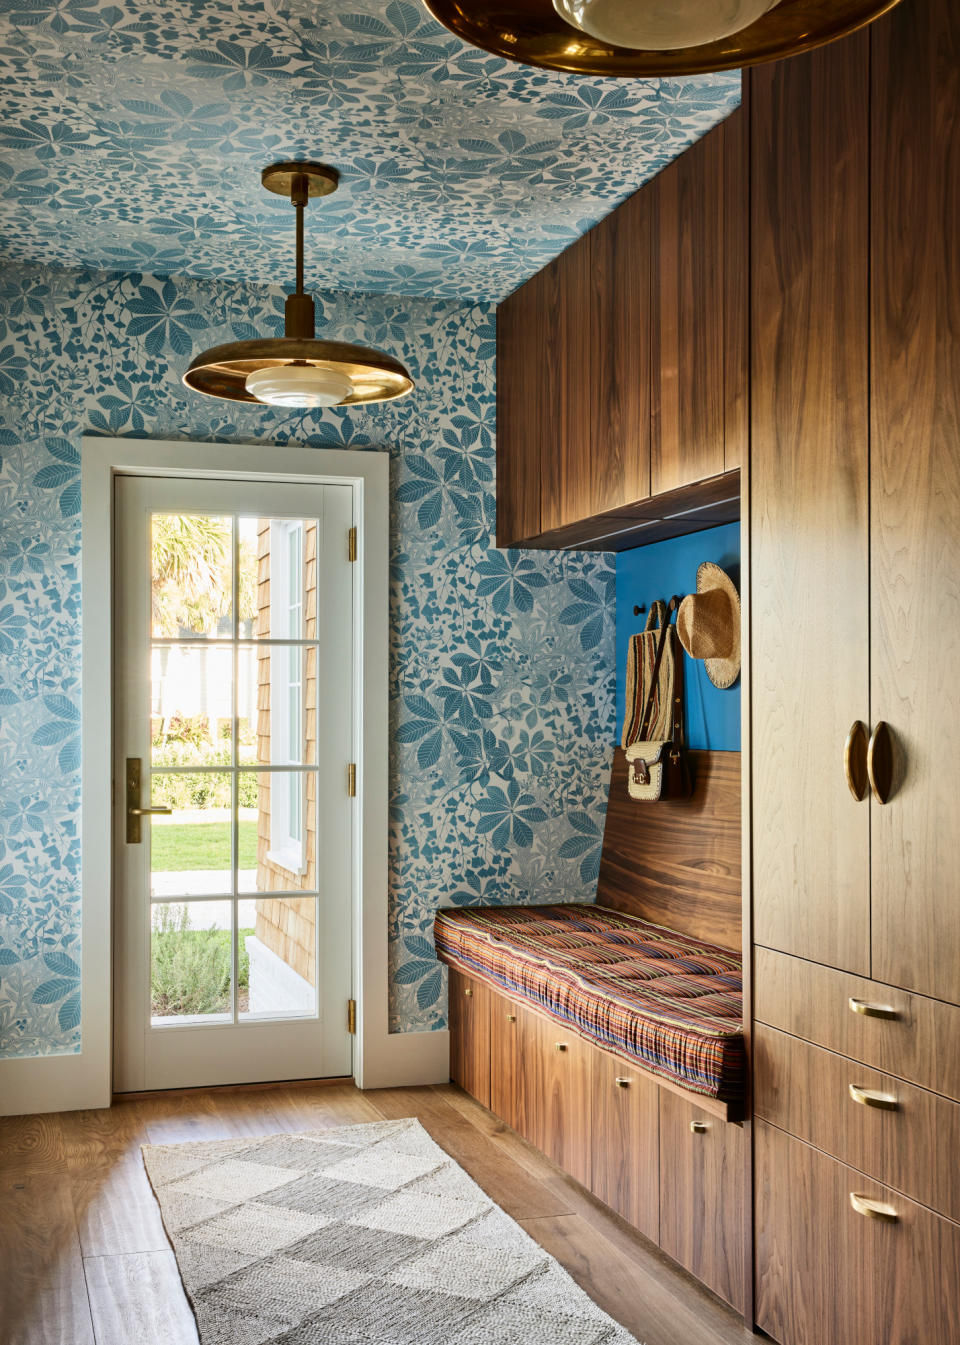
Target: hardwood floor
[{"x": 86, "y": 1262}]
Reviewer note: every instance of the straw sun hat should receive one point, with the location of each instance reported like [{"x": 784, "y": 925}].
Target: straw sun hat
[{"x": 708, "y": 624}]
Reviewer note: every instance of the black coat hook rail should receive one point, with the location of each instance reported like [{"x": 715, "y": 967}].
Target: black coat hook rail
[{"x": 672, "y": 605}]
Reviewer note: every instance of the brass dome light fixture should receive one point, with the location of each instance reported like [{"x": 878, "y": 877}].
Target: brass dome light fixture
[
  {"x": 297, "y": 370},
  {"x": 638, "y": 38}
]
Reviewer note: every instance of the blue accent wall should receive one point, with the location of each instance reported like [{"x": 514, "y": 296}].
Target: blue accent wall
[{"x": 659, "y": 571}]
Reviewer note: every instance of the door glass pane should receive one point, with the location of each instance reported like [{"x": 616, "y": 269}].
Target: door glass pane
[
  {"x": 191, "y": 962},
  {"x": 190, "y": 851},
  {"x": 191, "y": 705},
  {"x": 286, "y": 830},
  {"x": 278, "y": 957},
  {"x": 277, "y": 580},
  {"x": 277, "y": 710},
  {"x": 191, "y": 559}
]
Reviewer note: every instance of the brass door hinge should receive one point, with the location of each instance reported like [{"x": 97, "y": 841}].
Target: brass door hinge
[
  {"x": 352, "y": 1016},
  {"x": 352, "y": 544},
  {"x": 352, "y": 780}
]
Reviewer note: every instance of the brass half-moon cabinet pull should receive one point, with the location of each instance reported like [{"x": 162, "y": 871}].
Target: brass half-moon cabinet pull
[
  {"x": 560, "y": 1045},
  {"x": 870, "y": 1097},
  {"x": 855, "y": 760},
  {"x": 698, "y": 1127},
  {"x": 873, "y": 1209},
  {"x": 880, "y": 762},
  {"x": 621, "y": 1082},
  {"x": 468, "y": 992},
  {"x": 863, "y": 1006},
  {"x": 511, "y": 1017}
]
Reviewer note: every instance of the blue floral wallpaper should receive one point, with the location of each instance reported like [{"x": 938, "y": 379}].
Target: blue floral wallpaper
[
  {"x": 501, "y": 672},
  {"x": 132, "y": 138}
]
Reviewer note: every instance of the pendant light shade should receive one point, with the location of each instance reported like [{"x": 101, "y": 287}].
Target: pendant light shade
[
  {"x": 651, "y": 38},
  {"x": 297, "y": 370},
  {"x": 661, "y": 25}
]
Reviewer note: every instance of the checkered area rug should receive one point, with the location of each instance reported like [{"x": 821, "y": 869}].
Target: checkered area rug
[{"x": 369, "y": 1235}]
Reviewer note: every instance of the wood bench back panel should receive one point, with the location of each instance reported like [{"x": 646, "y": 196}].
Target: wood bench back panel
[{"x": 677, "y": 862}]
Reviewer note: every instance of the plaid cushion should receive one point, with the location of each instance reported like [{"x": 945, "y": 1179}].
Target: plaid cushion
[{"x": 667, "y": 1001}]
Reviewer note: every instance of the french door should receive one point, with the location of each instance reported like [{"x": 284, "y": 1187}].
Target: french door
[{"x": 233, "y": 818}]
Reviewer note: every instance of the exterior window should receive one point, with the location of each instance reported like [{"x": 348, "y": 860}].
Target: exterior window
[{"x": 287, "y": 793}]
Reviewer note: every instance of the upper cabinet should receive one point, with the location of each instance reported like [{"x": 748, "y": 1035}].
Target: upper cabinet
[{"x": 621, "y": 366}]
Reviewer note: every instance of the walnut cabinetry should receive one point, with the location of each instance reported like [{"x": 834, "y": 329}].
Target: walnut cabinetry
[
  {"x": 854, "y": 552},
  {"x": 621, "y": 366},
  {"x": 671, "y": 1168}
]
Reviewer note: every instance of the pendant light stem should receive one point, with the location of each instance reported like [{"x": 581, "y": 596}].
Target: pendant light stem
[{"x": 299, "y": 321}]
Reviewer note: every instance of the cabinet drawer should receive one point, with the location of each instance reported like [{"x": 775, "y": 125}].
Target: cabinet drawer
[
  {"x": 469, "y": 1016},
  {"x": 826, "y": 1273},
  {"x": 922, "y": 1043},
  {"x": 702, "y": 1179},
  {"x": 911, "y": 1143},
  {"x": 626, "y": 1125}
]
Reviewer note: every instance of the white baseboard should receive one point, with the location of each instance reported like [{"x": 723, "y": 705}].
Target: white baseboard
[
  {"x": 52, "y": 1083},
  {"x": 405, "y": 1060}
]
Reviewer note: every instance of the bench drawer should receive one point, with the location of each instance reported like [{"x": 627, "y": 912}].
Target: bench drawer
[
  {"x": 702, "y": 1179},
  {"x": 921, "y": 1042},
  {"x": 910, "y": 1141},
  {"x": 828, "y": 1273}
]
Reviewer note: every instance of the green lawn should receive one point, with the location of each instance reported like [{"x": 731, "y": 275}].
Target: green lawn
[{"x": 182, "y": 846}]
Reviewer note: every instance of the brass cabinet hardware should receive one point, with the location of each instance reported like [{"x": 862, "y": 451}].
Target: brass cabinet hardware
[
  {"x": 873, "y": 1010},
  {"x": 468, "y": 992},
  {"x": 134, "y": 811},
  {"x": 511, "y": 1017},
  {"x": 560, "y": 1045},
  {"x": 880, "y": 762},
  {"x": 352, "y": 544},
  {"x": 352, "y": 1016},
  {"x": 622, "y": 1083},
  {"x": 870, "y": 1097},
  {"x": 855, "y": 760},
  {"x": 698, "y": 1127},
  {"x": 873, "y": 1209}
]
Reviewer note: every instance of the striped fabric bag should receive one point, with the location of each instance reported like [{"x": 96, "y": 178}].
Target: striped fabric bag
[{"x": 641, "y": 656}]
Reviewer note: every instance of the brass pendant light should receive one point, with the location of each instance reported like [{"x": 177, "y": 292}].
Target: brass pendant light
[
  {"x": 682, "y": 37},
  {"x": 297, "y": 370}
]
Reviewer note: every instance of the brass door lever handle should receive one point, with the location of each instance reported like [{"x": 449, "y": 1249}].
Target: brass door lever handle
[{"x": 134, "y": 811}]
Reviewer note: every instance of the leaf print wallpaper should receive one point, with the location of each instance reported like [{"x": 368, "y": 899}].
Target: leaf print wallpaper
[
  {"x": 501, "y": 671},
  {"x": 132, "y": 138}
]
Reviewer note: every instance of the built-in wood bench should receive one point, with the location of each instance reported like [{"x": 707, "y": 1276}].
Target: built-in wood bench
[{"x": 533, "y": 1039}]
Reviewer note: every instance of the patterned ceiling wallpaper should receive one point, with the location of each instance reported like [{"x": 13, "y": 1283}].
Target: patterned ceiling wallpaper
[
  {"x": 132, "y": 137},
  {"x": 501, "y": 674}
]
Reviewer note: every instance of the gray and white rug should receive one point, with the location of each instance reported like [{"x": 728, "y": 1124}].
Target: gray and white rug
[{"x": 369, "y": 1235}]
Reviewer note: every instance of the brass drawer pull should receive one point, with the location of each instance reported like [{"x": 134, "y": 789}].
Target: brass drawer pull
[
  {"x": 698, "y": 1127},
  {"x": 869, "y": 1097},
  {"x": 622, "y": 1083},
  {"x": 468, "y": 992},
  {"x": 880, "y": 762},
  {"x": 873, "y": 1209},
  {"x": 873, "y": 1010},
  {"x": 511, "y": 1017},
  {"x": 560, "y": 1046}
]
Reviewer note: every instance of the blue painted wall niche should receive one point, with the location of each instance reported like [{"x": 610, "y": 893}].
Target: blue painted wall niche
[{"x": 659, "y": 571}]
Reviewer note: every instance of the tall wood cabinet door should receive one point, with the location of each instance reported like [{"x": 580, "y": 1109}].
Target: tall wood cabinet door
[
  {"x": 699, "y": 309},
  {"x": 526, "y": 410},
  {"x": 563, "y": 1085},
  {"x": 597, "y": 371},
  {"x": 809, "y": 499},
  {"x": 469, "y": 1018},
  {"x": 915, "y": 492},
  {"x": 513, "y": 1048}
]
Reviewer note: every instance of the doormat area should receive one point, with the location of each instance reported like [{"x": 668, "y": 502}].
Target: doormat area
[{"x": 369, "y": 1235}]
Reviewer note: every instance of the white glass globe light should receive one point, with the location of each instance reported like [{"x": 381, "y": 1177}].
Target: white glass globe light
[
  {"x": 304, "y": 385},
  {"x": 661, "y": 25}
]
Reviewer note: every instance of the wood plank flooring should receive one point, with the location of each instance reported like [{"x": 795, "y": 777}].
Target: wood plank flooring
[{"x": 85, "y": 1260}]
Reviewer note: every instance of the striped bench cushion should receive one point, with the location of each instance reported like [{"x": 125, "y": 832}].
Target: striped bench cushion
[{"x": 664, "y": 1000}]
